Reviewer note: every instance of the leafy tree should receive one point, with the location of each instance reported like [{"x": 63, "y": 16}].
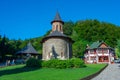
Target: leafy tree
[
  {"x": 68, "y": 28},
  {"x": 3, "y": 47},
  {"x": 75, "y": 36},
  {"x": 79, "y": 48},
  {"x": 117, "y": 49},
  {"x": 93, "y": 30},
  {"x": 83, "y": 32}
]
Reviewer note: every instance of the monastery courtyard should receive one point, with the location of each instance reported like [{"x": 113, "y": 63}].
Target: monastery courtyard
[{"x": 112, "y": 72}]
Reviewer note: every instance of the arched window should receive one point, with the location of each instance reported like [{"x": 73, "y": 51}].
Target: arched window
[
  {"x": 56, "y": 27},
  {"x": 60, "y": 28}
]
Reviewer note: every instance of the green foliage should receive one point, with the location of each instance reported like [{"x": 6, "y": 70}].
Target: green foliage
[
  {"x": 5, "y": 47},
  {"x": 78, "y": 63},
  {"x": 93, "y": 30},
  {"x": 82, "y": 32},
  {"x": 68, "y": 28},
  {"x": 117, "y": 49},
  {"x": 50, "y": 64},
  {"x": 79, "y": 48},
  {"x": 32, "y": 62},
  {"x": 62, "y": 64},
  {"x": 75, "y": 36}
]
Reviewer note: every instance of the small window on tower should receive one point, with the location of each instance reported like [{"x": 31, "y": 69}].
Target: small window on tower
[
  {"x": 60, "y": 28},
  {"x": 53, "y": 27},
  {"x": 56, "y": 27}
]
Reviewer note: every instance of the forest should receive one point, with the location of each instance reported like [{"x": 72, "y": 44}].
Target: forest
[{"x": 82, "y": 32}]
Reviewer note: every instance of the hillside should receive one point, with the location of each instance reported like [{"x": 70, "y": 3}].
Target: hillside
[{"x": 83, "y": 32}]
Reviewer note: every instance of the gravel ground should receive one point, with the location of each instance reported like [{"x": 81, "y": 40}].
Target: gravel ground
[{"x": 112, "y": 72}]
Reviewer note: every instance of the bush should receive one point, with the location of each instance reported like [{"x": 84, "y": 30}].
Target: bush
[
  {"x": 50, "y": 63},
  {"x": 77, "y": 63},
  {"x": 69, "y": 64},
  {"x": 32, "y": 62},
  {"x": 62, "y": 64}
]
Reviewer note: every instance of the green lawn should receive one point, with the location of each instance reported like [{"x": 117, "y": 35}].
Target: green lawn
[{"x": 20, "y": 73}]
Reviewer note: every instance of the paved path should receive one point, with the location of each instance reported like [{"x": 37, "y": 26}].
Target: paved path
[{"x": 112, "y": 72}]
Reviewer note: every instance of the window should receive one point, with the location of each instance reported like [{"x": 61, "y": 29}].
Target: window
[
  {"x": 53, "y": 27},
  {"x": 91, "y": 51},
  {"x": 56, "y": 27},
  {"x": 60, "y": 28},
  {"x": 93, "y": 57}
]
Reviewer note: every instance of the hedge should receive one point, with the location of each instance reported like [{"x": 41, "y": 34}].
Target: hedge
[
  {"x": 55, "y": 63},
  {"x": 61, "y": 64},
  {"x": 32, "y": 62}
]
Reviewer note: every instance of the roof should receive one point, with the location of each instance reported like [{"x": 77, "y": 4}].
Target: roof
[
  {"x": 29, "y": 49},
  {"x": 56, "y": 34},
  {"x": 57, "y": 18},
  {"x": 97, "y": 45}
]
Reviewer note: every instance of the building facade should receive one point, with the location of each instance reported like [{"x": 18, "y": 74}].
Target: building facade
[
  {"x": 99, "y": 52},
  {"x": 57, "y": 45}
]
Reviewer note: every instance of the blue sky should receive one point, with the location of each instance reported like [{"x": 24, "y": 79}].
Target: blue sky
[{"x": 26, "y": 19}]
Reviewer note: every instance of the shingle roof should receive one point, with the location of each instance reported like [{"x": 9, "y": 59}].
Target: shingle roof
[
  {"x": 56, "y": 34},
  {"x": 96, "y": 44},
  {"x": 27, "y": 50},
  {"x": 57, "y": 18}
]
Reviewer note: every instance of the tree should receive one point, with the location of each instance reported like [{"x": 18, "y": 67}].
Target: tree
[
  {"x": 75, "y": 36},
  {"x": 68, "y": 28},
  {"x": 117, "y": 49},
  {"x": 79, "y": 48},
  {"x": 93, "y": 30},
  {"x": 3, "y": 47}
]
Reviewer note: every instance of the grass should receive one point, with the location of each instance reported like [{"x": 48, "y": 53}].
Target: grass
[{"x": 20, "y": 72}]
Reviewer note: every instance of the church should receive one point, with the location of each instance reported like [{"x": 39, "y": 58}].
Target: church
[{"x": 57, "y": 45}]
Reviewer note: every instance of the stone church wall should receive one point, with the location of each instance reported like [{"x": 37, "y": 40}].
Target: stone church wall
[{"x": 56, "y": 48}]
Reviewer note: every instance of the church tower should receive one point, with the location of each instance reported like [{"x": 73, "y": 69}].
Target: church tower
[
  {"x": 57, "y": 45},
  {"x": 57, "y": 23}
]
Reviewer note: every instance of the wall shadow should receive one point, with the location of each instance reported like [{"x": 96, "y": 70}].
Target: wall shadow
[
  {"x": 54, "y": 52},
  {"x": 17, "y": 70}
]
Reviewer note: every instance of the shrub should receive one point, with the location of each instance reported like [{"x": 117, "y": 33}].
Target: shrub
[
  {"x": 62, "y": 64},
  {"x": 77, "y": 63},
  {"x": 50, "y": 63},
  {"x": 69, "y": 64},
  {"x": 32, "y": 62}
]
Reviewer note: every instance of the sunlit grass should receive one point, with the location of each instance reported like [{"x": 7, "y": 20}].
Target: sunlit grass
[{"x": 20, "y": 72}]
